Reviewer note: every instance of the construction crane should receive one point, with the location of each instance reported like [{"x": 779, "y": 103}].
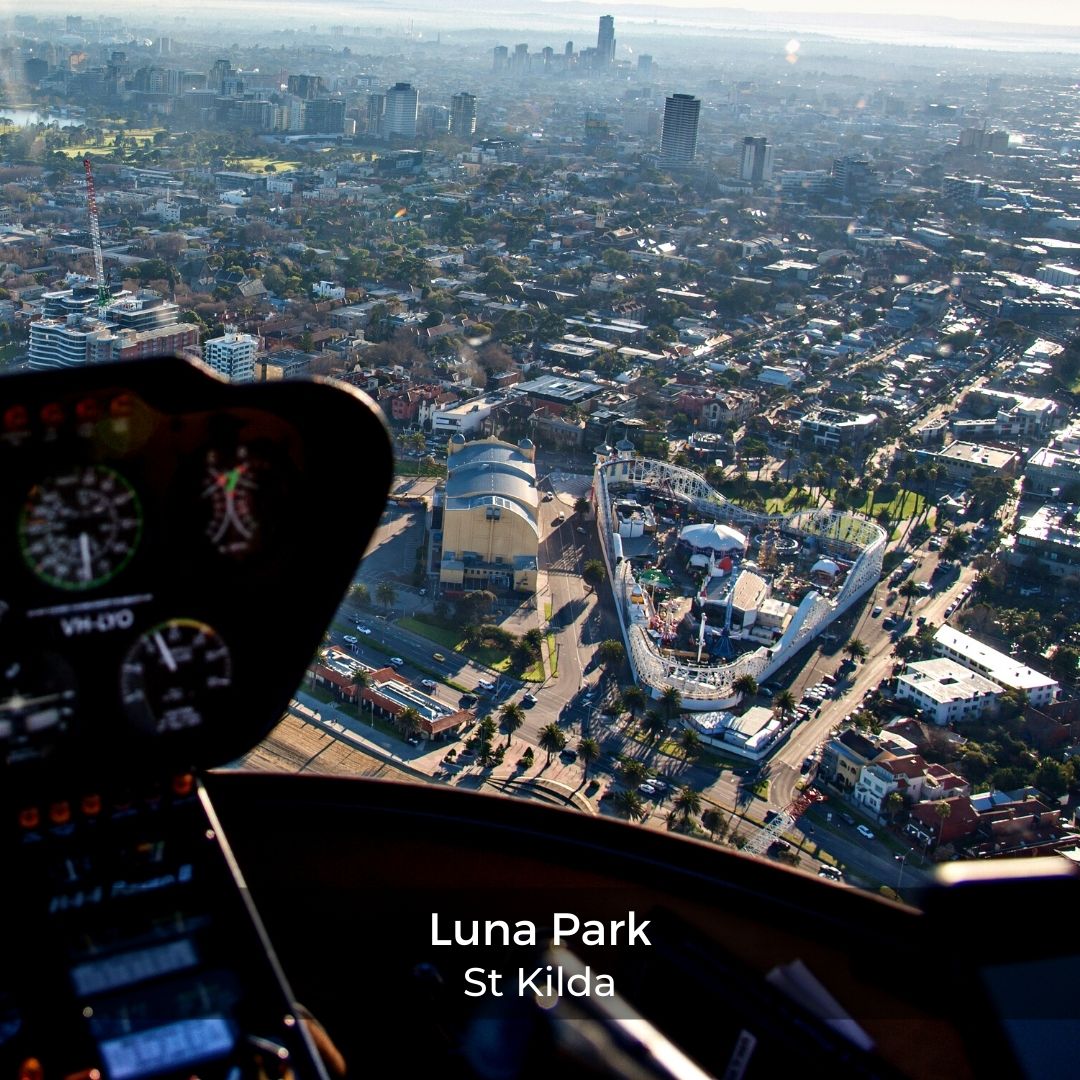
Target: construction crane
[
  {"x": 783, "y": 821},
  {"x": 104, "y": 296}
]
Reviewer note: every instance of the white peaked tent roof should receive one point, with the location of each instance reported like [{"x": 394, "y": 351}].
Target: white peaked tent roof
[
  {"x": 825, "y": 566},
  {"x": 715, "y": 537}
]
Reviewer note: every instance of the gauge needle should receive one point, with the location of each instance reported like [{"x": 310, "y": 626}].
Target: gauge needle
[
  {"x": 162, "y": 648},
  {"x": 84, "y": 551}
]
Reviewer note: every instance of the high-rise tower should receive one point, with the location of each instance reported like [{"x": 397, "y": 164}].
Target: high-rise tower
[
  {"x": 402, "y": 105},
  {"x": 605, "y": 41},
  {"x": 678, "y": 141},
  {"x": 463, "y": 115},
  {"x": 757, "y": 160}
]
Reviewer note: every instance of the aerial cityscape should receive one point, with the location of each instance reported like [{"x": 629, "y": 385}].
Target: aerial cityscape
[{"x": 733, "y": 378}]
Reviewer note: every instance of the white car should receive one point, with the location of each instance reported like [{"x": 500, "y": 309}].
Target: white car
[
  {"x": 428, "y": 684},
  {"x": 528, "y": 698},
  {"x": 349, "y": 639},
  {"x": 877, "y": 610},
  {"x": 365, "y": 630},
  {"x": 862, "y": 830},
  {"x": 486, "y": 685},
  {"x": 396, "y": 661}
]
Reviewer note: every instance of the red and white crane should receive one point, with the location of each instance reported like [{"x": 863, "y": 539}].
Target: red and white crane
[{"x": 104, "y": 296}]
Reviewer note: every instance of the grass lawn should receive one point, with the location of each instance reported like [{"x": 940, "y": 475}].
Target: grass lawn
[
  {"x": 553, "y": 654},
  {"x": 452, "y": 639},
  {"x": 258, "y": 164},
  {"x": 905, "y": 505}
]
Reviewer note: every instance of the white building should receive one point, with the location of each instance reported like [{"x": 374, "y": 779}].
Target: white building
[
  {"x": 996, "y": 666},
  {"x": 402, "y": 107},
  {"x": 946, "y": 691},
  {"x": 232, "y": 355}
]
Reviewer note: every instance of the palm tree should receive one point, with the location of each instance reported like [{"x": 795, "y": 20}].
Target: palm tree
[
  {"x": 784, "y": 704},
  {"x": 856, "y": 649},
  {"x": 361, "y": 680},
  {"x": 408, "y": 721},
  {"x": 672, "y": 701},
  {"x": 611, "y": 652},
  {"x": 533, "y": 641},
  {"x": 588, "y": 750},
  {"x": 511, "y": 717},
  {"x": 386, "y": 594},
  {"x": 593, "y": 573},
  {"x": 634, "y": 700},
  {"x": 715, "y": 823},
  {"x": 633, "y": 771},
  {"x": 630, "y": 803},
  {"x": 687, "y": 803},
  {"x": 746, "y": 685},
  {"x": 655, "y": 725},
  {"x": 908, "y": 590},
  {"x": 690, "y": 742},
  {"x": 581, "y": 505},
  {"x": 552, "y": 739},
  {"x": 894, "y": 804}
]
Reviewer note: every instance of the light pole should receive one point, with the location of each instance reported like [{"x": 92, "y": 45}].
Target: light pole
[{"x": 902, "y": 860}]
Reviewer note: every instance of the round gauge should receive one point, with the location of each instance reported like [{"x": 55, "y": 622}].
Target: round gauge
[
  {"x": 37, "y": 699},
  {"x": 174, "y": 676},
  {"x": 78, "y": 530},
  {"x": 229, "y": 488}
]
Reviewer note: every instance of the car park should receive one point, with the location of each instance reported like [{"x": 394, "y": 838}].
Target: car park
[
  {"x": 349, "y": 639},
  {"x": 862, "y": 830}
]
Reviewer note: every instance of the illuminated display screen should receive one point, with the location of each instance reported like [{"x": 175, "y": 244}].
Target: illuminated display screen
[{"x": 171, "y": 1046}]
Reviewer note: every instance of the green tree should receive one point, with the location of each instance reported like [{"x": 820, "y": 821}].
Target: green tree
[
  {"x": 784, "y": 704},
  {"x": 655, "y": 725},
  {"x": 671, "y": 699},
  {"x": 715, "y": 824},
  {"x": 687, "y": 803},
  {"x": 1052, "y": 779},
  {"x": 611, "y": 653},
  {"x": 631, "y": 804},
  {"x": 408, "y": 721},
  {"x": 385, "y": 593},
  {"x": 856, "y": 649},
  {"x": 746, "y": 685},
  {"x": 552, "y": 740},
  {"x": 588, "y": 750},
  {"x": 690, "y": 742},
  {"x": 894, "y": 804},
  {"x": 360, "y": 594},
  {"x": 593, "y": 573},
  {"x": 632, "y": 770},
  {"x": 581, "y": 505},
  {"x": 908, "y": 590},
  {"x": 633, "y": 698},
  {"x": 511, "y": 717}
]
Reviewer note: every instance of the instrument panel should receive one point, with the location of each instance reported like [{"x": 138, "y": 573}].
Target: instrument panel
[{"x": 167, "y": 565}]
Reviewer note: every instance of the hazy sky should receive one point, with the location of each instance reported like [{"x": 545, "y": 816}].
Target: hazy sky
[{"x": 1057, "y": 12}]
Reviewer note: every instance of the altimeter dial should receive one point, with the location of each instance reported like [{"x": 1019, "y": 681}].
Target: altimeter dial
[
  {"x": 175, "y": 676},
  {"x": 79, "y": 529}
]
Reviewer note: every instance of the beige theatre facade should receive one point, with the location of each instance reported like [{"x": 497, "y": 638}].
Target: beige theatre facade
[{"x": 491, "y": 519}]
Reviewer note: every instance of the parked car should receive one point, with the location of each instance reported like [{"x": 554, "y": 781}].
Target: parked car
[
  {"x": 528, "y": 698},
  {"x": 485, "y": 684},
  {"x": 467, "y": 701},
  {"x": 548, "y": 496},
  {"x": 807, "y": 765},
  {"x": 428, "y": 684},
  {"x": 396, "y": 661},
  {"x": 877, "y": 611},
  {"x": 350, "y": 640},
  {"x": 766, "y": 692},
  {"x": 862, "y": 830},
  {"x": 413, "y": 740},
  {"x": 832, "y": 873}
]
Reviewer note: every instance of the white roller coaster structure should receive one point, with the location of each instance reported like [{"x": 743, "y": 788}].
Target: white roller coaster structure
[{"x": 710, "y": 686}]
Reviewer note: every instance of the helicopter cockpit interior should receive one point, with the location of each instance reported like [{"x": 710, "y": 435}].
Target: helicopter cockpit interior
[{"x": 166, "y": 574}]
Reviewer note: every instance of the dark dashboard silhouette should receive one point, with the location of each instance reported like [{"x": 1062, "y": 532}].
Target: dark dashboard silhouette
[{"x": 164, "y": 581}]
